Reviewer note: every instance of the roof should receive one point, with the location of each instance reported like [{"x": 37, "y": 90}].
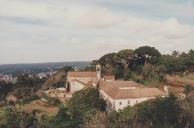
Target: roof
[
  {"x": 75, "y": 80},
  {"x": 128, "y": 90},
  {"x": 81, "y": 74},
  {"x": 109, "y": 78}
]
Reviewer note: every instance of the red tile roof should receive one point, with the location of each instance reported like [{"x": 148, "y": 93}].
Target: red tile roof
[
  {"x": 128, "y": 90},
  {"x": 109, "y": 78},
  {"x": 81, "y": 74}
]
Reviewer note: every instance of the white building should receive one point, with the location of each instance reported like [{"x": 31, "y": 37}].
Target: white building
[
  {"x": 120, "y": 94},
  {"x": 8, "y": 78},
  {"x": 79, "y": 79}
]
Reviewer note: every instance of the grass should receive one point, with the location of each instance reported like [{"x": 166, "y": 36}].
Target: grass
[
  {"x": 147, "y": 82},
  {"x": 190, "y": 77},
  {"x": 2, "y": 112},
  {"x": 140, "y": 80}
]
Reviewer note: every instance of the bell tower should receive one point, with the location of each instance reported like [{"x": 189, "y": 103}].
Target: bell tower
[{"x": 98, "y": 71}]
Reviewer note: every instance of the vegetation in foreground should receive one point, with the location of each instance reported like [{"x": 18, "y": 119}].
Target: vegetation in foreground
[{"x": 86, "y": 109}]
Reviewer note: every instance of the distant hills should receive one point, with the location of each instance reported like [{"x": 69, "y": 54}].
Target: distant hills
[{"x": 39, "y": 67}]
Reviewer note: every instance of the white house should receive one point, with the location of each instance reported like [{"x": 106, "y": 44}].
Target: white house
[
  {"x": 120, "y": 94},
  {"x": 77, "y": 80}
]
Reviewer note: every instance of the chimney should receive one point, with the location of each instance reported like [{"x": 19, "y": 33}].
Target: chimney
[
  {"x": 166, "y": 90},
  {"x": 98, "y": 71}
]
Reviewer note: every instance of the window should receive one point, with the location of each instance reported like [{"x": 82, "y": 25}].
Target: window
[{"x": 120, "y": 103}]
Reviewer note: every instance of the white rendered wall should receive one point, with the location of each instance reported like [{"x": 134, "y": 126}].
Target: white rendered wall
[
  {"x": 76, "y": 86},
  {"x": 122, "y": 103},
  {"x": 119, "y": 104},
  {"x": 82, "y": 79}
]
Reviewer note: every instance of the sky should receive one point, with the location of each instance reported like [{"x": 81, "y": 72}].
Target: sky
[{"x": 33, "y": 31}]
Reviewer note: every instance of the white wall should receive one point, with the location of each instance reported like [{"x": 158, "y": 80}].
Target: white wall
[
  {"x": 108, "y": 100},
  {"x": 119, "y": 104},
  {"x": 122, "y": 103},
  {"x": 76, "y": 86},
  {"x": 82, "y": 79}
]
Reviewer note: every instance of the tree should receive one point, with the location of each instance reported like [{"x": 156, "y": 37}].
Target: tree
[
  {"x": 85, "y": 103},
  {"x": 155, "y": 113},
  {"x": 5, "y": 88},
  {"x": 147, "y": 54},
  {"x": 160, "y": 72},
  {"x": 68, "y": 68},
  {"x": 107, "y": 62},
  {"x": 188, "y": 61},
  {"x": 98, "y": 121},
  {"x": 152, "y": 72},
  {"x": 148, "y": 72},
  {"x": 128, "y": 75},
  {"x": 187, "y": 90},
  {"x": 172, "y": 64},
  {"x": 124, "y": 58},
  {"x": 19, "y": 119},
  {"x": 176, "y": 54},
  {"x": 118, "y": 71}
]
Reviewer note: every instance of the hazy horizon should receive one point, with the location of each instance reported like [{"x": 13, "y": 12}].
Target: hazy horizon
[
  {"x": 41, "y": 31},
  {"x": 42, "y": 62}
]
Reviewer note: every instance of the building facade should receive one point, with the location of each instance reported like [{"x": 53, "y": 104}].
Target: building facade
[
  {"x": 120, "y": 94},
  {"x": 79, "y": 79}
]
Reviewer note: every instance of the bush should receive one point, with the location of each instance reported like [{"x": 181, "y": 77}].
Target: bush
[
  {"x": 86, "y": 103},
  {"x": 54, "y": 101},
  {"x": 128, "y": 75}
]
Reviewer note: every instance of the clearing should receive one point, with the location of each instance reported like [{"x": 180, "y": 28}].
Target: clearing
[{"x": 40, "y": 105}]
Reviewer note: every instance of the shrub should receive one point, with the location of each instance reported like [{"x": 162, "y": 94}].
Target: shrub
[{"x": 54, "y": 101}]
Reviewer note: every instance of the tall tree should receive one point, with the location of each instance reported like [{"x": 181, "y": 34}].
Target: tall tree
[
  {"x": 187, "y": 90},
  {"x": 175, "y": 53},
  {"x": 85, "y": 103},
  {"x": 147, "y": 54},
  {"x": 124, "y": 58},
  {"x": 107, "y": 63}
]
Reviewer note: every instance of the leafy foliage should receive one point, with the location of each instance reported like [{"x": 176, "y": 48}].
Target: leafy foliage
[
  {"x": 151, "y": 72},
  {"x": 68, "y": 68},
  {"x": 156, "y": 113},
  {"x": 85, "y": 103},
  {"x": 147, "y": 54}
]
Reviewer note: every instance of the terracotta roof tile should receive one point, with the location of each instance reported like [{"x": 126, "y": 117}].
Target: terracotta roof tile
[
  {"x": 128, "y": 90},
  {"x": 81, "y": 74},
  {"x": 109, "y": 78}
]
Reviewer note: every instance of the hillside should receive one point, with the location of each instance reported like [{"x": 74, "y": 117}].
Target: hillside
[
  {"x": 53, "y": 80},
  {"x": 38, "y": 67}
]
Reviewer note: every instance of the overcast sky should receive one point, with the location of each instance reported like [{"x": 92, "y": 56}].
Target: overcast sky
[{"x": 74, "y": 30}]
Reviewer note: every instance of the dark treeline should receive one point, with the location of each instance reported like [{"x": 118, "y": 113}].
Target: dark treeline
[
  {"x": 145, "y": 61},
  {"x": 25, "y": 87}
]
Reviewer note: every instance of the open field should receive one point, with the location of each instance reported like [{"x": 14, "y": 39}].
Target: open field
[
  {"x": 179, "y": 81},
  {"x": 40, "y": 105}
]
